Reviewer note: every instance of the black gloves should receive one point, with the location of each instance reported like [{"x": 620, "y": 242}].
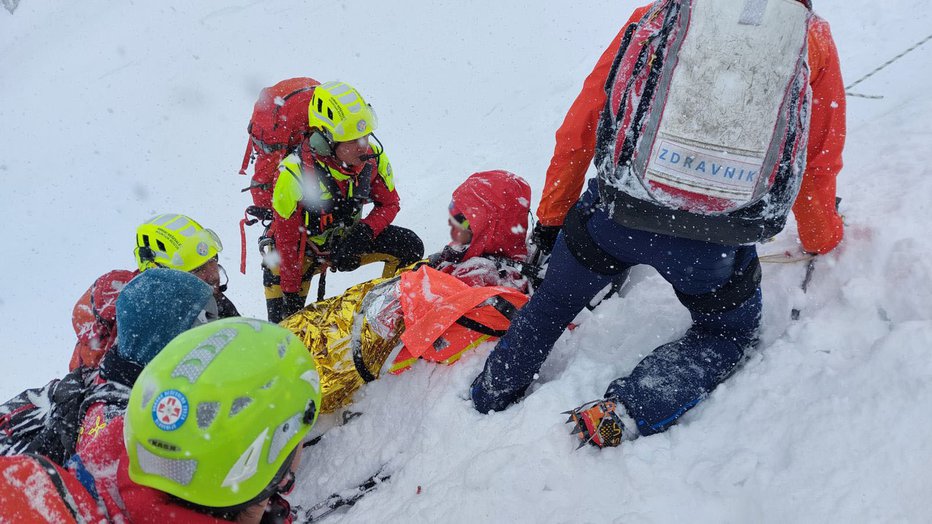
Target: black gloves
[
  {"x": 544, "y": 237},
  {"x": 358, "y": 241}
]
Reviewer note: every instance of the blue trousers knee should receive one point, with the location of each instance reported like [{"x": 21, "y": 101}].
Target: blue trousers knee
[{"x": 677, "y": 375}]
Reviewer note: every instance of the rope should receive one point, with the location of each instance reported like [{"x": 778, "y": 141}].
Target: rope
[
  {"x": 881, "y": 67},
  {"x": 859, "y": 95}
]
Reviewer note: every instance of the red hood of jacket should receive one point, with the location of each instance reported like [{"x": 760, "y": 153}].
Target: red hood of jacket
[{"x": 496, "y": 203}]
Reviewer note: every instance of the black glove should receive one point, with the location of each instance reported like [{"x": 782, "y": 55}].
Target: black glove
[
  {"x": 544, "y": 237},
  {"x": 358, "y": 241}
]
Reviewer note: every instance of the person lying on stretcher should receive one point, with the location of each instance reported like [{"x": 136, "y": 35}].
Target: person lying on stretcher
[{"x": 435, "y": 310}]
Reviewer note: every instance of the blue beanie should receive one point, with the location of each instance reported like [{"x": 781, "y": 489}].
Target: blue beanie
[{"x": 155, "y": 307}]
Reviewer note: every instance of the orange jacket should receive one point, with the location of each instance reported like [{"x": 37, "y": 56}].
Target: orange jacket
[{"x": 820, "y": 226}]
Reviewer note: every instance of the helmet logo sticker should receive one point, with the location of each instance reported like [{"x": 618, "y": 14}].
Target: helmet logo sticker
[
  {"x": 202, "y": 249},
  {"x": 361, "y": 125},
  {"x": 170, "y": 410}
]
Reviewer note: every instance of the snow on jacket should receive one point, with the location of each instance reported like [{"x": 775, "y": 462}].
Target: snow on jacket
[
  {"x": 34, "y": 489},
  {"x": 103, "y": 468},
  {"x": 106, "y": 462},
  {"x": 45, "y": 420},
  {"x": 819, "y": 225},
  {"x": 496, "y": 203},
  {"x": 298, "y": 172}
]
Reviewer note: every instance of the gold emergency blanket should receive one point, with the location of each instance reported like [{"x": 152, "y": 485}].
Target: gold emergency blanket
[{"x": 333, "y": 328}]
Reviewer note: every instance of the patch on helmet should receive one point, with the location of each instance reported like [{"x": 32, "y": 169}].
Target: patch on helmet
[
  {"x": 170, "y": 410},
  {"x": 202, "y": 249},
  {"x": 361, "y": 125}
]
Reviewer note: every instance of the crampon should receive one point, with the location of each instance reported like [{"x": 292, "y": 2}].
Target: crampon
[{"x": 596, "y": 423}]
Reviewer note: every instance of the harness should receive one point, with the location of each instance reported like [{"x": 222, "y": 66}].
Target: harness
[{"x": 338, "y": 211}]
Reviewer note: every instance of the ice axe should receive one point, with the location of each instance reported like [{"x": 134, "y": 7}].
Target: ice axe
[{"x": 810, "y": 269}]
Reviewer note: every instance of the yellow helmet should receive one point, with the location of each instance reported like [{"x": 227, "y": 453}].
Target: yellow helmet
[
  {"x": 176, "y": 242},
  {"x": 340, "y": 112}
]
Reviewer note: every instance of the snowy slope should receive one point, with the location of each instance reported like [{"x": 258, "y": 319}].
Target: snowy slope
[{"x": 111, "y": 113}]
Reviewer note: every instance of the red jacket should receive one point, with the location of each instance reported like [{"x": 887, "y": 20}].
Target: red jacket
[
  {"x": 820, "y": 226},
  {"x": 288, "y": 232},
  {"x": 35, "y": 489}
]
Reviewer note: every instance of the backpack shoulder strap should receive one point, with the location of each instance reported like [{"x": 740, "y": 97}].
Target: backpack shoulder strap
[
  {"x": 325, "y": 178},
  {"x": 364, "y": 188}
]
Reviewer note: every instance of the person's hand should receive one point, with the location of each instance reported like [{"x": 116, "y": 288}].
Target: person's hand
[
  {"x": 358, "y": 241},
  {"x": 544, "y": 237}
]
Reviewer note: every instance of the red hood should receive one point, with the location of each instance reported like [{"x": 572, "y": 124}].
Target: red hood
[{"x": 496, "y": 203}]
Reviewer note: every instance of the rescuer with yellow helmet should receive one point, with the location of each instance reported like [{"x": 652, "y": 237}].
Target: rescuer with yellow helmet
[
  {"x": 318, "y": 202},
  {"x": 169, "y": 240}
]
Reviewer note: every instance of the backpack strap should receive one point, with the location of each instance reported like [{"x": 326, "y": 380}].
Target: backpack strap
[
  {"x": 356, "y": 342},
  {"x": 247, "y": 157},
  {"x": 363, "y": 190},
  {"x": 507, "y": 309},
  {"x": 584, "y": 249},
  {"x": 360, "y": 365}
]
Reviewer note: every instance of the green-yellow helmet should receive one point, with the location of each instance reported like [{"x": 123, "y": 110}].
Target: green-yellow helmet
[
  {"x": 340, "y": 112},
  {"x": 176, "y": 242},
  {"x": 217, "y": 415}
]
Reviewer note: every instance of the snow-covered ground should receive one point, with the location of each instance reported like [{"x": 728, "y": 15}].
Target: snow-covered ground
[{"x": 112, "y": 112}]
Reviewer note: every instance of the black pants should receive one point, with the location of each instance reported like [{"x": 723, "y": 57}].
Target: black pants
[{"x": 395, "y": 246}]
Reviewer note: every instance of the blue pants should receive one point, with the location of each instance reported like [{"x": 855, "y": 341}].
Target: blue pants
[{"x": 675, "y": 376}]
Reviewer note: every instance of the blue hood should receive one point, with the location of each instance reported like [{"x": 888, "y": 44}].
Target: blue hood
[{"x": 154, "y": 308}]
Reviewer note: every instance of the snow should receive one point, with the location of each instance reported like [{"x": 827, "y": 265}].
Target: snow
[{"x": 113, "y": 112}]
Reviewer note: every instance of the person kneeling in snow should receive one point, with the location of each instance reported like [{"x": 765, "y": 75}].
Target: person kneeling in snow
[
  {"x": 465, "y": 295},
  {"x": 165, "y": 241},
  {"x": 687, "y": 183}
]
